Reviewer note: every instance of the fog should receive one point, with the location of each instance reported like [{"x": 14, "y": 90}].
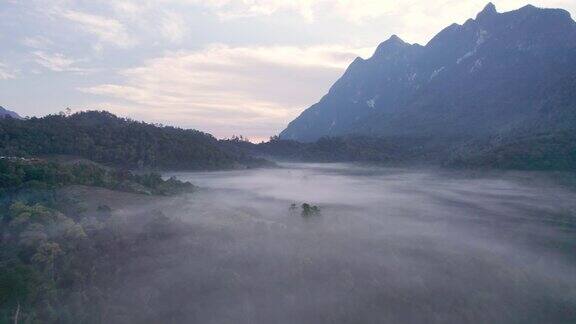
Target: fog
[{"x": 389, "y": 246}]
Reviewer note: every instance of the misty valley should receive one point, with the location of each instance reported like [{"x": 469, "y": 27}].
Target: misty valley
[
  {"x": 296, "y": 243},
  {"x": 160, "y": 164},
  {"x": 389, "y": 246}
]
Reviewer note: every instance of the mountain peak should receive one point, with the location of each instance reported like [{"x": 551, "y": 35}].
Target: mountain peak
[
  {"x": 396, "y": 92},
  {"x": 395, "y": 38},
  {"x": 488, "y": 11},
  {"x": 394, "y": 42},
  {"x": 357, "y": 60}
]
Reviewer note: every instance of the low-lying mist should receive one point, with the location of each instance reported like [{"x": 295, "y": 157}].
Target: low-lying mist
[{"x": 388, "y": 246}]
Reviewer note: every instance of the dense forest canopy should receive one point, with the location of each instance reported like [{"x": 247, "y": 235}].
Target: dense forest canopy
[
  {"x": 103, "y": 137},
  {"x": 519, "y": 151},
  {"x": 56, "y": 256},
  {"x": 35, "y": 174}
]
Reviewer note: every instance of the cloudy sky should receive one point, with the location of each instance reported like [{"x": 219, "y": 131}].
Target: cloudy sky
[{"x": 223, "y": 66}]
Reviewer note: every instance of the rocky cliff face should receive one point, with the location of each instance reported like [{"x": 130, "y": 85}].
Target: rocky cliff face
[{"x": 495, "y": 74}]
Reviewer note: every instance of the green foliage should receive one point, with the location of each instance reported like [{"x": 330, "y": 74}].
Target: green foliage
[
  {"x": 546, "y": 151},
  {"x": 52, "y": 263},
  {"x": 306, "y": 209},
  {"x": 34, "y": 244},
  {"x": 310, "y": 210},
  {"x": 105, "y": 138},
  {"x": 519, "y": 150},
  {"x": 329, "y": 149},
  {"x": 47, "y": 256},
  {"x": 56, "y": 267},
  {"x": 36, "y": 174}
]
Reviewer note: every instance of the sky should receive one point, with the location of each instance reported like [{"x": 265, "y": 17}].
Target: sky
[{"x": 227, "y": 67}]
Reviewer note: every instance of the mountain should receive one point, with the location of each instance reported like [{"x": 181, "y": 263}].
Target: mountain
[
  {"x": 103, "y": 137},
  {"x": 7, "y": 113},
  {"x": 494, "y": 76}
]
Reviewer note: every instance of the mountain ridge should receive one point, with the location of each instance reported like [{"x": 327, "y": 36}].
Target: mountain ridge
[
  {"x": 8, "y": 113},
  {"x": 489, "y": 75}
]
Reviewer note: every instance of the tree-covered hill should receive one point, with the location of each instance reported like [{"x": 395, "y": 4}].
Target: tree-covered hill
[
  {"x": 17, "y": 175},
  {"x": 555, "y": 151},
  {"x": 59, "y": 258},
  {"x": 545, "y": 151},
  {"x": 103, "y": 137},
  {"x": 334, "y": 149}
]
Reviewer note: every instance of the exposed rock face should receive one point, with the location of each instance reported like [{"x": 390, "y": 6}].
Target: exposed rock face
[{"x": 494, "y": 74}]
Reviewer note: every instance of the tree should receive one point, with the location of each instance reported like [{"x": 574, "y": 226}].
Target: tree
[
  {"x": 46, "y": 255},
  {"x": 310, "y": 210}
]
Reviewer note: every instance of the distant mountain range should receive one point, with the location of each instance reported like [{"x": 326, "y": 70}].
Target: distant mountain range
[
  {"x": 7, "y": 113},
  {"x": 488, "y": 82}
]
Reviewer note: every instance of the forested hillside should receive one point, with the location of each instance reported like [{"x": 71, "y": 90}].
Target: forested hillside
[
  {"x": 326, "y": 149},
  {"x": 544, "y": 151},
  {"x": 103, "y": 137},
  {"x": 521, "y": 151},
  {"x": 59, "y": 256}
]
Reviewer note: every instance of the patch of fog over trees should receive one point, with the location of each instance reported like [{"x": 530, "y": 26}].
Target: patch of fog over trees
[
  {"x": 389, "y": 246},
  {"x": 382, "y": 245}
]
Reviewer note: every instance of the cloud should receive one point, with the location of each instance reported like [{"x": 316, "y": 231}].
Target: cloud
[
  {"x": 57, "y": 62},
  {"x": 37, "y": 42},
  {"x": 350, "y": 10},
  {"x": 359, "y": 11},
  {"x": 5, "y": 74},
  {"x": 124, "y": 23},
  {"x": 229, "y": 9},
  {"x": 229, "y": 90},
  {"x": 173, "y": 27},
  {"x": 127, "y": 7},
  {"x": 354, "y": 10},
  {"x": 107, "y": 30},
  {"x": 414, "y": 20}
]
